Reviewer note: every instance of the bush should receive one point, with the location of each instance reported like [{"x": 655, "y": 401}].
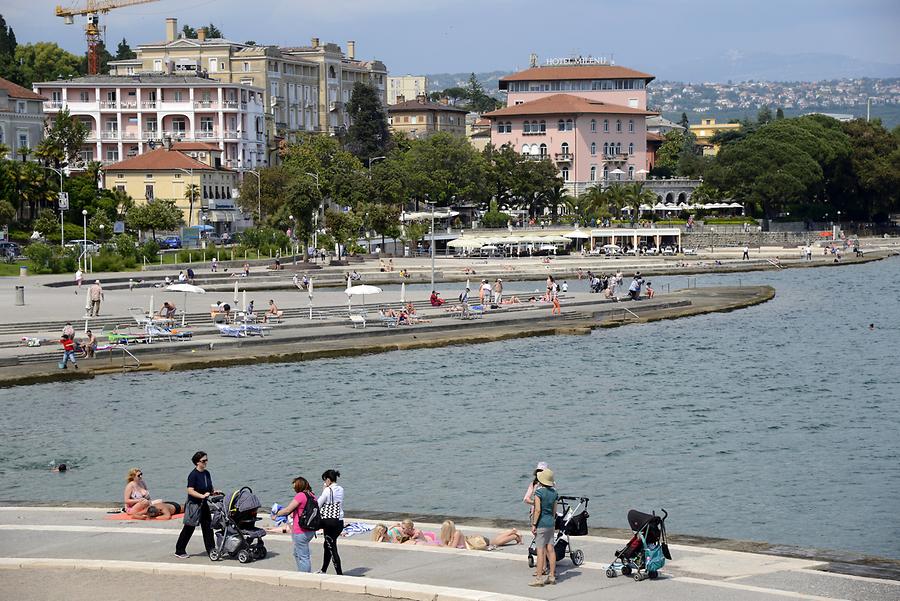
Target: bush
[
  {"x": 51, "y": 259},
  {"x": 495, "y": 219},
  {"x": 125, "y": 245},
  {"x": 149, "y": 250},
  {"x": 109, "y": 260}
]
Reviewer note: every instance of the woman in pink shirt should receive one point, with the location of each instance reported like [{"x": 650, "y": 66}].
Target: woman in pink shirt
[
  {"x": 529, "y": 494},
  {"x": 300, "y": 536}
]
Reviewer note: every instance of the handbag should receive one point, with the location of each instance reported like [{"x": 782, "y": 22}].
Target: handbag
[{"x": 331, "y": 510}]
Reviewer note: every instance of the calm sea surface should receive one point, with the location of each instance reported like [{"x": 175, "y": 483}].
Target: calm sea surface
[{"x": 777, "y": 423}]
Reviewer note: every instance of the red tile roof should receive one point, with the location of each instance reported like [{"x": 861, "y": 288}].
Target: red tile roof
[
  {"x": 159, "y": 160},
  {"x": 655, "y": 137},
  {"x": 17, "y": 91},
  {"x": 565, "y": 104},
  {"x": 575, "y": 72}
]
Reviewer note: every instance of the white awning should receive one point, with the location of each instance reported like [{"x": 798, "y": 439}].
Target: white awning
[{"x": 222, "y": 216}]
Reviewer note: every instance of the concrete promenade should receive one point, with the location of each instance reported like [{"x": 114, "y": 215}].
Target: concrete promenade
[{"x": 75, "y": 554}]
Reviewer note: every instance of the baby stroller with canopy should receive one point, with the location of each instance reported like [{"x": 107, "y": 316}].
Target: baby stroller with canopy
[
  {"x": 648, "y": 549},
  {"x": 571, "y": 520},
  {"x": 234, "y": 526}
]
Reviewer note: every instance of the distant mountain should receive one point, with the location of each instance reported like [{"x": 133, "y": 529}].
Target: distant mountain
[{"x": 768, "y": 66}]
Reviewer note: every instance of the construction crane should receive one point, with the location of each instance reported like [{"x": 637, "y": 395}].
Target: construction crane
[{"x": 92, "y": 9}]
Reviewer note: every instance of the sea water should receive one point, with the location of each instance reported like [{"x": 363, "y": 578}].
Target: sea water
[{"x": 776, "y": 423}]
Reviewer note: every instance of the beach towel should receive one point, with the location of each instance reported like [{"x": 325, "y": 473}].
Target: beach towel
[{"x": 354, "y": 528}]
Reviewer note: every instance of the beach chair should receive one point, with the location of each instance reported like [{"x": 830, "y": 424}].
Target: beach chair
[
  {"x": 357, "y": 320},
  {"x": 387, "y": 320}
]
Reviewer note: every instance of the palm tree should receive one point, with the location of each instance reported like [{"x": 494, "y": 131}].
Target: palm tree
[
  {"x": 635, "y": 195},
  {"x": 4, "y": 151},
  {"x": 557, "y": 197},
  {"x": 47, "y": 152},
  {"x": 615, "y": 198},
  {"x": 191, "y": 191}
]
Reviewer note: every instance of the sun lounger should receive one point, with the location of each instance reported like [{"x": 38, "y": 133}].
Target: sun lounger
[
  {"x": 357, "y": 320},
  {"x": 387, "y": 320},
  {"x": 240, "y": 330}
]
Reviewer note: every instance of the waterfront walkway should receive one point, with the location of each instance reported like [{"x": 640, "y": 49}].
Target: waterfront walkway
[{"x": 76, "y": 554}]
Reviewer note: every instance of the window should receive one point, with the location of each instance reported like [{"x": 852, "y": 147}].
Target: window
[
  {"x": 631, "y": 126},
  {"x": 148, "y": 191},
  {"x": 245, "y": 67},
  {"x": 213, "y": 65},
  {"x": 177, "y": 96},
  {"x": 618, "y": 148},
  {"x": 526, "y": 149},
  {"x": 178, "y": 125},
  {"x": 111, "y": 96},
  {"x": 606, "y": 125},
  {"x": 112, "y": 154},
  {"x": 206, "y": 124},
  {"x": 605, "y": 149},
  {"x": 618, "y": 125},
  {"x": 569, "y": 125},
  {"x": 509, "y": 127},
  {"x": 561, "y": 125},
  {"x": 56, "y": 96},
  {"x": 593, "y": 149},
  {"x": 501, "y": 127},
  {"x": 331, "y": 72},
  {"x": 593, "y": 173},
  {"x": 593, "y": 125},
  {"x": 23, "y": 140},
  {"x": 631, "y": 172},
  {"x": 84, "y": 96},
  {"x": 543, "y": 150},
  {"x": 526, "y": 127},
  {"x": 21, "y": 107},
  {"x": 631, "y": 148},
  {"x": 150, "y": 126},
  {"x": 543, "y": 126},
  {"x": 605, "y": 172},
  {"x": 565, "y": 174},
  {"x": 564, "y": 149},
  {"x": 148, "y": 176}
]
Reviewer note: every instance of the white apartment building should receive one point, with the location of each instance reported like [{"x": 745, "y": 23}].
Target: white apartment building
[
  {"x": 128, "y": 115},
  {"x": 406, "y": 87}
]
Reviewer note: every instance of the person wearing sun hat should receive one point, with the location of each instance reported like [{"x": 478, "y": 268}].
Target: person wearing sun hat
[
  {"x": 529, "y": 492},
  {"x": 542, "y": 525}
]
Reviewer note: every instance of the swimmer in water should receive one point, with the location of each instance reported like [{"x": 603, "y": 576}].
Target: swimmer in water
[
  {"x": 871, "y": 326},
  {"x": 62, "y": 467}
]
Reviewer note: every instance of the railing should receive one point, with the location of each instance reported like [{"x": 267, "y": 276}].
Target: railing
[
  {"x": 108, "y": 104},
  {"x": 176, "y": 135},
  {"x": 130, "y": 135},
  {"x": 128, "y": 105},
  {"x": 230, "y": 104},
  {"x": 150, "y": 134},
  {"x": 565, "y": 156},
  {"x": 109, "y": 135},
  {"x": 617, "y": 157},
  {"x": 205, "y": 104},
  {"x": 232, "y": 135},
  {"x": 53, "y": 104},
  {"x": 204, "y": 134},
  {"x": 534, "y": 133},
  {"x": 148, "y": 104},
  {"x": 91, "y": 136}
]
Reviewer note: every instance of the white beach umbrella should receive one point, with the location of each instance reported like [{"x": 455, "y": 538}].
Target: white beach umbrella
[
  {"x": 235, "y": 293},
  {"x": 186, "y": 289},
  {"x": 309, "y": 291},
  {"x": 362, "y": 291},
  {"x": 577, "y": 234},
  {"x": 244, "y": 301},
  {"x": 617, "y": 171},
  {"x": 402, "y": 293}
]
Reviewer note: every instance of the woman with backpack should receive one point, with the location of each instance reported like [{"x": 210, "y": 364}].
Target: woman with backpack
[
  {"x": 331, "y": 504},
  {"x": 306, "y": 521}
]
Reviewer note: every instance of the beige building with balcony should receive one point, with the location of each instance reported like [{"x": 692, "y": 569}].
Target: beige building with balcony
[
  {"x": 165, "y": 174},
  {"x": 406, "y": 86},
  {"x": 420, "y": 118},
  {"x": 705, "y": 131},
  {"x": 305, "y": 89},
  {"x": 21, "y": 117}
]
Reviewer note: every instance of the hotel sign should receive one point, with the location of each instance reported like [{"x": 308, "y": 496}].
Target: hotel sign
[{"x": 576, "y": 60}]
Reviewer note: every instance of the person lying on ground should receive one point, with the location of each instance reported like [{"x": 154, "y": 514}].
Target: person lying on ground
[
  {"x": 406, "y": 533},
  {"x": 138, "y": 503},
  {"x": 511, "y": 300},
  {"x": 452, "y": 537},
  {"x": 380, "y": 534}
]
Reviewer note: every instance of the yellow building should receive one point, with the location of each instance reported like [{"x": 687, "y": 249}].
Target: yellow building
[
  {"x": 167, "y": 173},
  {"x": 705, "y": 131}
]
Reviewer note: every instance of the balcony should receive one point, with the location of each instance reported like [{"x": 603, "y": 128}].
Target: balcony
[
  {"x": 534, "y": 133},
  {"x": 130, "y": 135},
  {"x": 109, "y": 135},
  {"x": 176, "y": 135},
  {"x": 232, "y": 135},
  {"x": 204, "y": 134},
  {"x": 108, "y": 104},
  {"x": 91, "y": 136},
  {"x": 205, "y": 104},
  {"x": 619, "y": 157},
  {"x": 53, "y": 105},
  {"x": 131, "y": 104},
  {"x": 230, "y": 104},
  {"x": 564, "y": 157},
  {"x": 148, "y": 104}
]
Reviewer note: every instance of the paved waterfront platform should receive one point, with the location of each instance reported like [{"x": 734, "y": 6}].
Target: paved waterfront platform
[{"x": 75, "y": 554}]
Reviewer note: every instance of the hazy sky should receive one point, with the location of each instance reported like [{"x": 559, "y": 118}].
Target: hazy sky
[{"x": 432, "y": 36}]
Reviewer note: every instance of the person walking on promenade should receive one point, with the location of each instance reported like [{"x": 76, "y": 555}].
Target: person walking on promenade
[
  {"x": 300, "y": 536},
  {"x": 483, "y": 290},
  {"x": 196, "y": 511},
  {"x": 542, "y": 525},
  {"x": 498, "y": 291},
  {"x": 95, "y": 293},
  {"x": 214, "y": 265},
  {"x": 79, "y": 277},
  {"x": 746, "y": 256},
  {"x": 331, "y": 503},
  {"x": 554, "y": 298},
  {"x": 68, "y": 344}
]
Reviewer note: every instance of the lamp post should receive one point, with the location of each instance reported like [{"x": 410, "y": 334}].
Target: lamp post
[
  {"x": 321, "y": 208},
  {"x": 372, "y": 160},
  {"x": 432, "y": 241},
  {"x": 84, "y": 242},
  {"x": 258, "y": 193},
  {"x": 62, "y": 231},
  {"x": 190, "y": 172},
  {"x": 102, "y": 227}
]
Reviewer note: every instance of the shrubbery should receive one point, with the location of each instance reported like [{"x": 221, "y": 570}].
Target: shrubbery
[{"x": 51, "y": 259}]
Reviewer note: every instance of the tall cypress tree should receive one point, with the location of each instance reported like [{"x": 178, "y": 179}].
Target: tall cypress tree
[
  {"x": 368, "y": 134},
  {"x": 124, "y": 51},
  {"x": 7, "y": 52}
]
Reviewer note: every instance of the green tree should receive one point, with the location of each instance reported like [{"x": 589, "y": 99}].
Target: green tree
[
  {"x": 8, "y": 45},
  {"x": 338, "y": 171},
  {"x": 368, "y": 135},
  {"x": 191, "y": 194},
  {"x": 214, "y": 32},
  {"x": 779, "y": 114},
  {"x": 45, "y": 61},
  {"x": 343, "y": 226},
  {"x": 872, "y": 188},
  {"x": 684, "y": 122},
  {"x": 66, "y": 135},
  {"x": 7, "y": 212},
  {"x": 764, "y": 115},
  {"x": 189, "y": 32},
  {"x": 479, "y": 101},
  {"x": 265, "y": 191},
  {"x": 157, "y": 215},
  {"x": 124, "y": 51},
  {"x": 670, "y": 151},
  {"x": 636, "y": 195},
  {"x": 444, "y": 167}
]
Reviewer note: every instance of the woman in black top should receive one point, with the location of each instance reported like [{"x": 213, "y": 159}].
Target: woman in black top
[{"x": 196, "y": 511}]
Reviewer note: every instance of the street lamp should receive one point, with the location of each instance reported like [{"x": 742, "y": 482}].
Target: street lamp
[
  {"x": 84, "y": 243},
  {"x": 258, "y": 193},
  {"x": 62, "y": 231},
  {"x": 432, "y": 240},
  {"x": 373, "y": 159},
  {"x": 321, "y": 208},
  {"x": 190, "y": 172}
]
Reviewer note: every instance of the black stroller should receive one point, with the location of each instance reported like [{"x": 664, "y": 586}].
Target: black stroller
[
  {"x": 648, "y": 549},
  {"x": 571, "y": 520},
  {"x": 234, "y": 526}
]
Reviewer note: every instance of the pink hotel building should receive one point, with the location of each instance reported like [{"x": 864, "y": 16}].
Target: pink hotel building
[
  {"x": 126, "y": 116},
  {"x": 590, "y": 120}
]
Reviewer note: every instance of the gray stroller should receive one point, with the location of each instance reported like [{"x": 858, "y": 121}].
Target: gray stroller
[{"x": 234, "y": 526}]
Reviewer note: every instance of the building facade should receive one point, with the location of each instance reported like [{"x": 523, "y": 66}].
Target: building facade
[
  {"x": 705, "y": 131},
  {"x": 305, "y": 89},
  {"x": 128, "y": 115},
  {"x": 167, "y": 174},
  {"x": 21, "y": 118},
  {"x": 407, "y": 86},
  {"x": 589, "y": 120},
  {"x": 420, "y": 118}
]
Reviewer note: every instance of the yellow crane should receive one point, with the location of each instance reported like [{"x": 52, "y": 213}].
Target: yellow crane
[{"x": 92, "y": 9}]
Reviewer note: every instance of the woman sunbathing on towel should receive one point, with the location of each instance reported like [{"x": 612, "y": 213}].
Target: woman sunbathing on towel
[
  {"x": 138, "y": 503},
  {"x": 451, "y": 537}
]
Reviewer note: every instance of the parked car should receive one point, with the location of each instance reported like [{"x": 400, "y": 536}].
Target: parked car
[
  {"x": 9, "y": 251},
  {"x": 668, "y": 250},
  {"x": 169, "y": 242},
  {"x": 91, "y": 247}
]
